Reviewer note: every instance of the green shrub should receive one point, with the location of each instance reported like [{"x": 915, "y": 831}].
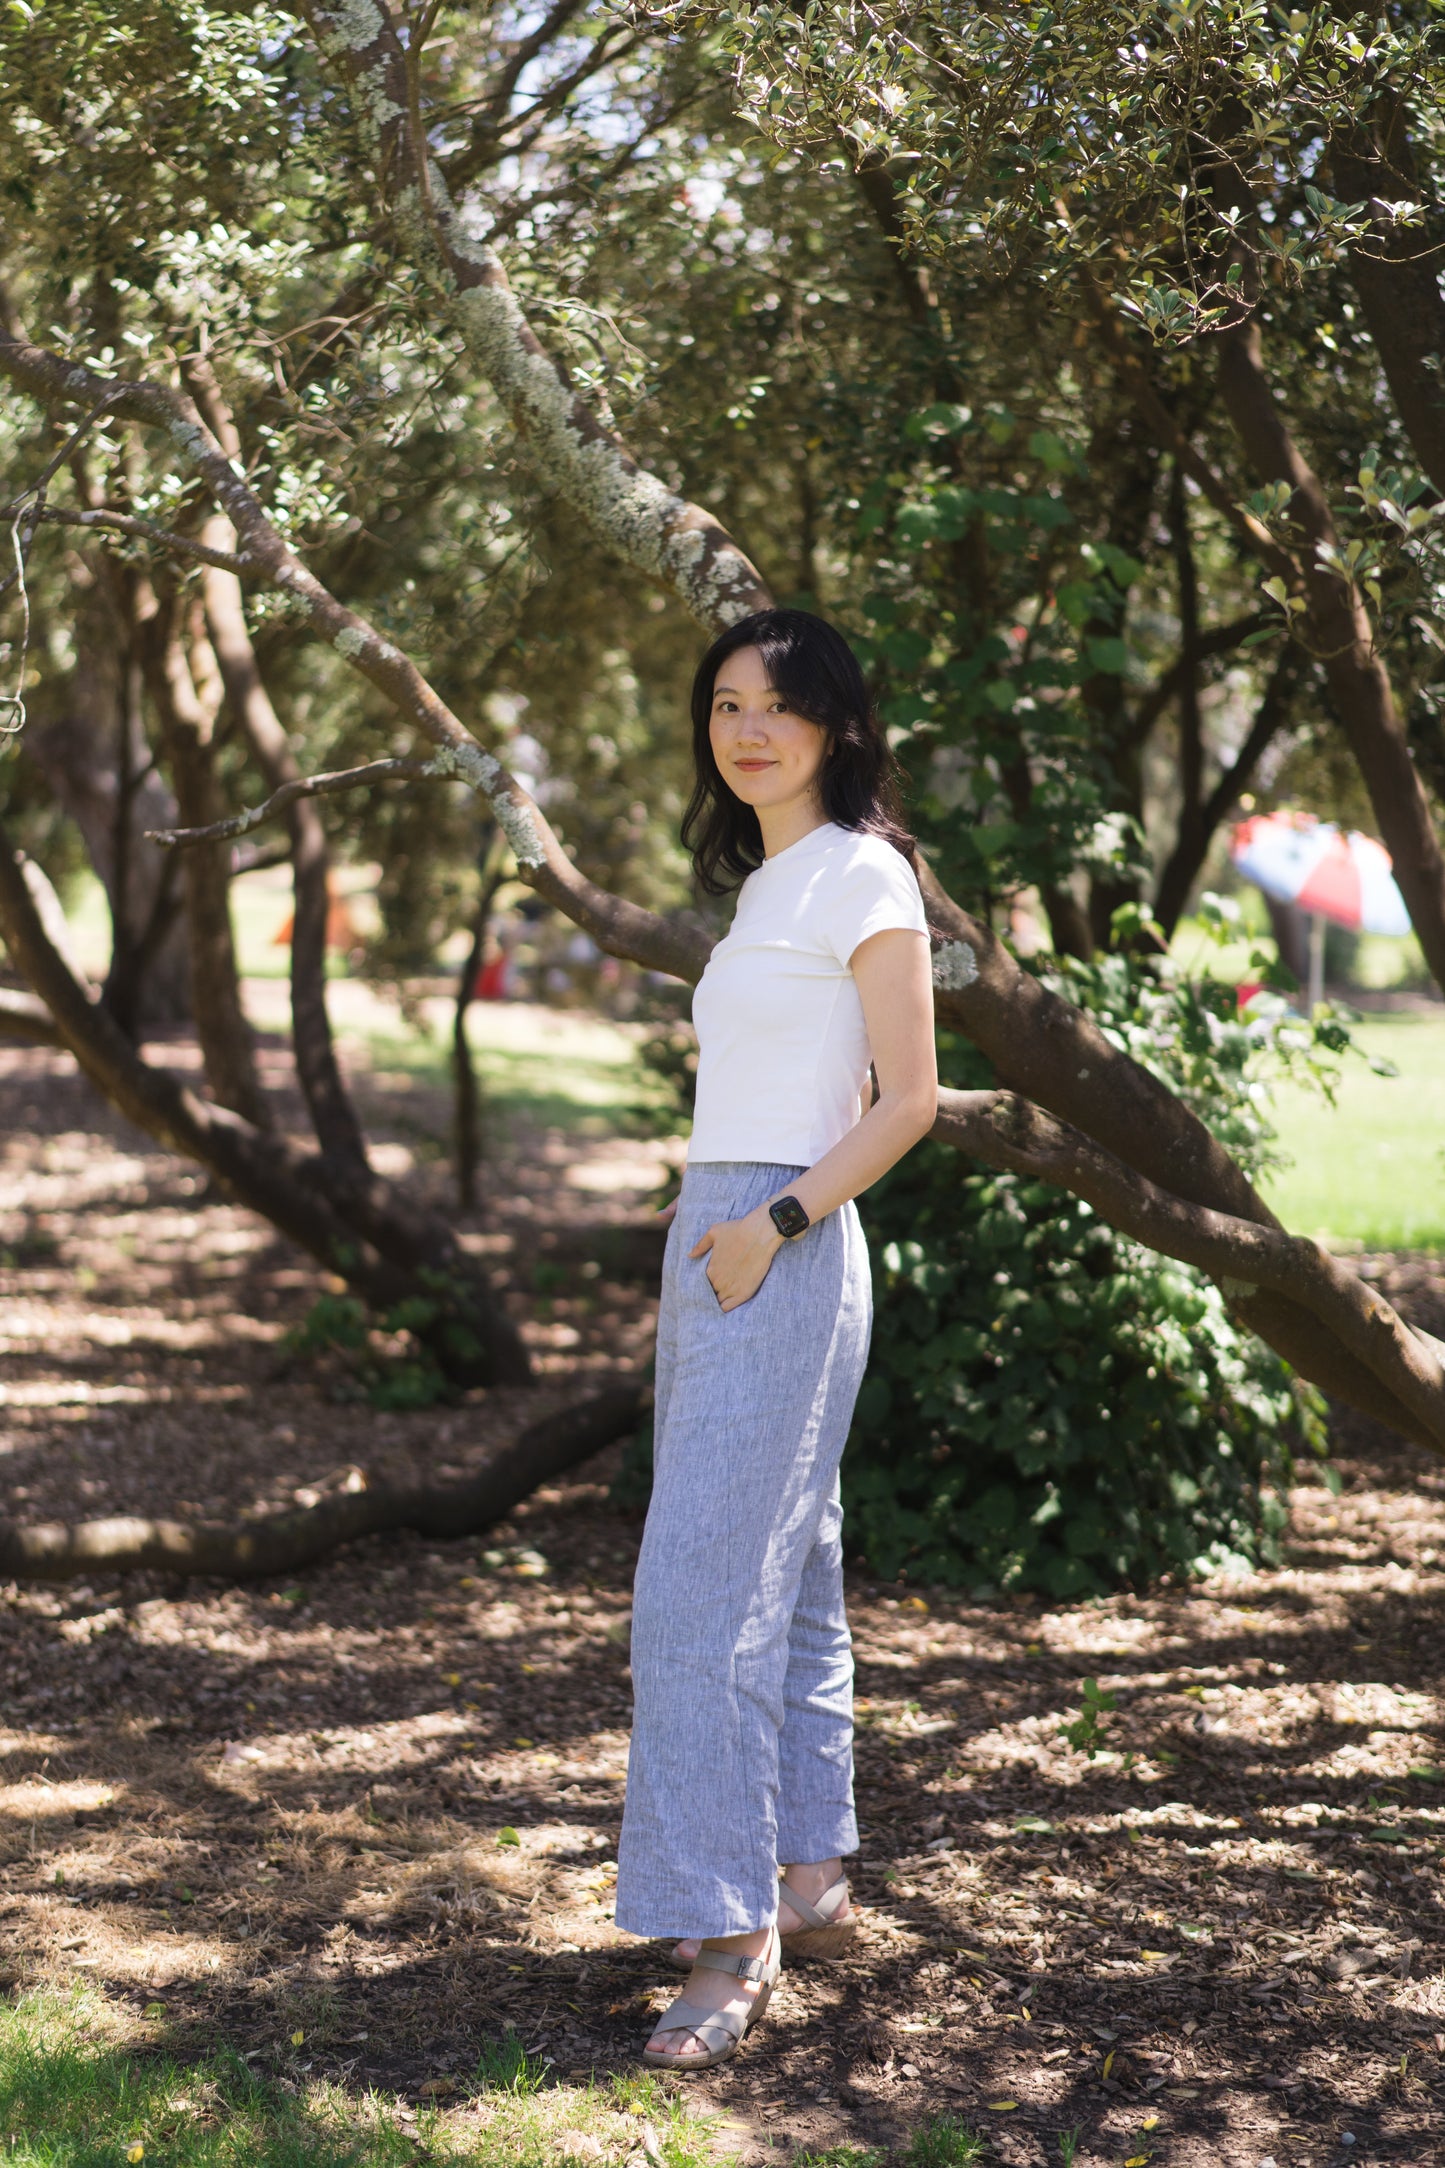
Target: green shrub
[{"x": 1049, "y": 1405}]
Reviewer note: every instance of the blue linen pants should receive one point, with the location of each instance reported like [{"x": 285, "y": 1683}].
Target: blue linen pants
[{"x": 742, "y": 1668}]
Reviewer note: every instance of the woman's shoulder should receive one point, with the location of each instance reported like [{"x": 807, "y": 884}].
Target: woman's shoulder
[{"x": 858, "y": 851}]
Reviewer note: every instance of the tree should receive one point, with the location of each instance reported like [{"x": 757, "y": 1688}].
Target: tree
[{"x": 417, "y": 126}]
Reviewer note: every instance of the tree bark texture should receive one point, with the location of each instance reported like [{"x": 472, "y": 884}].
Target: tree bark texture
[
  {"x": 364, "y": 1506},
  {"x": 1396, "y": 273}
]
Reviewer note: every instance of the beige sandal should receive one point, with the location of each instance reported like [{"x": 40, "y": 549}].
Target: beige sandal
[
  {"x": 720, "y": 2031},
  {"x": 823, "y": 1934}
]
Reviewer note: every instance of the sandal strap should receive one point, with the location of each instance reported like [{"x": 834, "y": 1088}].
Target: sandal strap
[
  {"x": 762, "y": 1971},
  {"x": 691, "y": 2017},
  {"x": 740, "y": 1968},
  {"x": 820, "y": 1914}
]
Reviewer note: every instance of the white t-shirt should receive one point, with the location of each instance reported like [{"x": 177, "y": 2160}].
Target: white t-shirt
[{"x": 783, "y": 1048}]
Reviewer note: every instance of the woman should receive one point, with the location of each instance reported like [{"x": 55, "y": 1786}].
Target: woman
[{"x": 742, "y": 1736}]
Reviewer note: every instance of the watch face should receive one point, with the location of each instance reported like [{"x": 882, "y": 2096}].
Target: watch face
[{"x": 789, "y": 1217}]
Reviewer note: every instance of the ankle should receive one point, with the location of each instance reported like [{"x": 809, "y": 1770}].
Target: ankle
[{"x": 811, "y": 1879}]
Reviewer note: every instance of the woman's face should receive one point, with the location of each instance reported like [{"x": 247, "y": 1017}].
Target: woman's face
[{"x": 767, "y": 754}]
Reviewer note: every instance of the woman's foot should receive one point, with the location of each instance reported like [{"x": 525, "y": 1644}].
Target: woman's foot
[
  {"x": 719, "y": 1992},
  {"x": 811, "y": 1883}
]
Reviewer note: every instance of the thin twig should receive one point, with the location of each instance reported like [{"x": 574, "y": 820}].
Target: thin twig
[
  {"x": 304, "y": 786},
  {"x": 144, "y": 531},
  {"x": 38, "y": 487}
]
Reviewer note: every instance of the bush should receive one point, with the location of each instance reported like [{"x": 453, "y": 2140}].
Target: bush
[{"x": 1048, "y": 1404}]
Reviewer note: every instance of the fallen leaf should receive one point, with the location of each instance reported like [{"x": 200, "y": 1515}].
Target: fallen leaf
[
  {"x": 297, "y": 2037},
  {"x": 135, "y": 2150},
  {"x": 1150, "y": 2122},
  {"x": 1154, "y": 1957},
  {"x": 453, "y": 1678},
  {"x": 1000, "y": 2107},
  {"x": 1137, "y": 2160},
  {"x": 1109, "y": 2062},
  {"x": 155, "y": 2009},
  {"x": 521, "y": 1742},
  {"x": 508, "y": 1835}
]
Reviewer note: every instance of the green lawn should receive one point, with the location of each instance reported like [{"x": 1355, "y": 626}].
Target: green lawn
[
  {"x": 84, "y": 2083},
  {"x": 83, "y": 2086},
  {"x": 1371, "y": 1169}
]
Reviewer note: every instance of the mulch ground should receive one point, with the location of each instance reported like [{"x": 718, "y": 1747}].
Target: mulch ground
[{"x": 380, "y": 1807}]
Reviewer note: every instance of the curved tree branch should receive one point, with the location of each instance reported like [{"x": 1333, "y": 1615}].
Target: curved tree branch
[
  {"x": 285, "y": 1542},
  {"x": 376, "y": 1243},
  {"x": 1396, "y": 1372},
  {"x": 572, "y": 454},
  {"x": 304, "y": 786}
]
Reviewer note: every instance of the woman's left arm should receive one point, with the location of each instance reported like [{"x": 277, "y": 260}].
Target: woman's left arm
[{"x": 894, "y": 974}]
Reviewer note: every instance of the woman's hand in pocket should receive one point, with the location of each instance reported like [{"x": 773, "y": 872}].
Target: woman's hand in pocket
[{"x": 738, "y": 1254}]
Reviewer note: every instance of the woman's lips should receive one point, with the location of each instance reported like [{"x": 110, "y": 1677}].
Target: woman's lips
[{"x": 751, "y": 767}]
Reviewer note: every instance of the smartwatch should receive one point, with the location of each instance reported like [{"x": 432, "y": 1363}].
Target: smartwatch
[{"x": 788, "y": 1216}]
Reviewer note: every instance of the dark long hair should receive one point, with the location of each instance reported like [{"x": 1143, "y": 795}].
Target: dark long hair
[{"x": 810, "y": 662}]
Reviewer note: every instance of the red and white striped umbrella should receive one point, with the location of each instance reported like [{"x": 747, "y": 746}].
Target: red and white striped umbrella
[{"x": 1340, "y": 875}]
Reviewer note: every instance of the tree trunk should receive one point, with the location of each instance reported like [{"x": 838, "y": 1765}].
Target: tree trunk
[
  {"x": 1397, "y": 277},
  {"x": 333, "y": 1115},
  {"x": 1191, "y": 847},
  {"x": 473, "y": 1339},
  {"x": 1341, "y": 635},
  {"x": 94, "y": 757},
  {"x": 187, "y": 730}
]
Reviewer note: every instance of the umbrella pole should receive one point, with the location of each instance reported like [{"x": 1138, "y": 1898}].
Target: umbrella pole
[{"x": 1317, "y": 959}]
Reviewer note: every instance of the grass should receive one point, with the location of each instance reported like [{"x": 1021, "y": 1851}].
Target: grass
[
  {"x": 78, "y": 2089},
  {"x": 558, "y": 1069},
  {"x": 1371, "y": 1169},
  {"x": 76, "y": 2093}
]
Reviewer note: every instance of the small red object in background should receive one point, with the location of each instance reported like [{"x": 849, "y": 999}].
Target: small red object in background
[
  {"x": 492, "y": 979},
  {"x": 1245, "y": 994}
]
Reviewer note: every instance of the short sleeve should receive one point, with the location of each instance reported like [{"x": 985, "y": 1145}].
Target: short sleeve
[{"x": 876, "y": 893}]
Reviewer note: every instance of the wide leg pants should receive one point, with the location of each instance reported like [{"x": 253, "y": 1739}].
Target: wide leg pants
[{"x": 742, "y": 1670}]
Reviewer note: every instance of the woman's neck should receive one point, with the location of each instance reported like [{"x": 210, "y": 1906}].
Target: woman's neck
[{"x": 784, "y": 825}]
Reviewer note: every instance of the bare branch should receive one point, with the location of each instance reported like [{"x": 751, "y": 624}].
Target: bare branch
[
  {"x": 306, "y": 786},
  {"x": 144, "y": 531}
]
